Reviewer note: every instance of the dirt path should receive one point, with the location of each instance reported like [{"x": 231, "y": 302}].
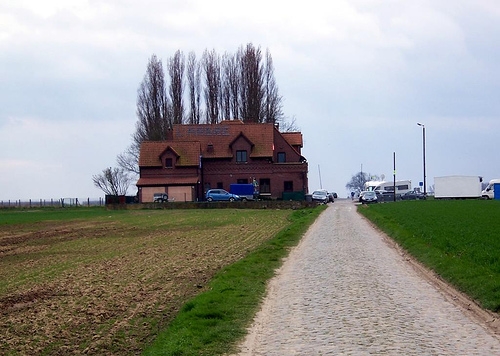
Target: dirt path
[{"x": 347, "y": 289}]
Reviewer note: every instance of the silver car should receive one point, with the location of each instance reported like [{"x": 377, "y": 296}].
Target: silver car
[{"x": 320, "y": 196}]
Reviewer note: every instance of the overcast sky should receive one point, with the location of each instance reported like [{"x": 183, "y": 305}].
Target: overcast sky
[{"x": 357, "y": 76}]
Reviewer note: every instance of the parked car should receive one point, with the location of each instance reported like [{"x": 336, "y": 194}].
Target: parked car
[
  {"x": 320, "y": 196},
  {"x": 220, "y": 195},
  {"x": 160, "y": 197},
  {"x": 380, "y": 196},
  {"x": 413, "y": 195},
  {"x": 367, "y": 197}
]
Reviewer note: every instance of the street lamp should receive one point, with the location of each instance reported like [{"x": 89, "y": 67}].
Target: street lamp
[{"x": 423, "y": 145}]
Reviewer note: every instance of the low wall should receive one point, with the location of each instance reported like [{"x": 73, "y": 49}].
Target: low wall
[{"x": 265, "y": 204}]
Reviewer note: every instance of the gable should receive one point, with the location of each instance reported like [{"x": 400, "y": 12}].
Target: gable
[{"x": 153, "y": 153}]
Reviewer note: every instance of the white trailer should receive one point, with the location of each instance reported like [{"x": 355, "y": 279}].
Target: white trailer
[{"x": 457, "y": 187}]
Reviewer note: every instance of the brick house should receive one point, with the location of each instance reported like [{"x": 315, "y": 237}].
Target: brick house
[{"x": 196, "y": 158}]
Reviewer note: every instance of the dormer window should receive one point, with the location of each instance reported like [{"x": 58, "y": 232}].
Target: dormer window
[
  {"x": 281, "y": 157},
  {"x": 169, "y": 163},
  {"x": 210, "y": 147},
  {"x": 241, "y": 156}
]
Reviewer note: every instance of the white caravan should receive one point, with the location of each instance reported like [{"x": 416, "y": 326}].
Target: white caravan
[
  {"x": 402, "y": 186},
  {"x": 489, "y": 191}
]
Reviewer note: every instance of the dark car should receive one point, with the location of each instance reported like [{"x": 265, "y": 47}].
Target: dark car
[
  {"x": 413, "y": 195},
  {"x": 220, "y": 195},
  {"x": 368, "y": 197},
  {"x": 160, "y": 197},
  {"x": 331, "y": 197}
]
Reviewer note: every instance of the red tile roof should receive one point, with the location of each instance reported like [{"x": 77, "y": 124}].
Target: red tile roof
[
  {"x": 221, "y": 135},
  {"x": 293, "y": 138},
  {"x": 213, "y": 141}
]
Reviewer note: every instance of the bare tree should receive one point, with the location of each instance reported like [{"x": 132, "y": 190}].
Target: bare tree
[
  {"x": 225, "y": 88},
  {"x": 273, "y": 108},
  {"x": 211, "y": 68},
  {"x": 193, "y": 73},
  {"x": 288, "y": 125},
  {"x": 129, "y": 159},
  {"x": 251, "y": 83},
  {"x": 231, "y": 86},
  {"x": 153, "y": 114},
  {"x": 112, "y": 181},
  {"x": 153, "y": 110},
  {"x": 176, "y": 66},
  {"x": 357, "y": 183}
]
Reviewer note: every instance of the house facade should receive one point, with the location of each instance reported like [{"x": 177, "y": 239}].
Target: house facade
[{"x": 196, "y": 158}]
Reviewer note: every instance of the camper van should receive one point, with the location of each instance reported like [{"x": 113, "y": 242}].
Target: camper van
[
  {"x": 402, "y": 186},
  {"x": 489, "y": 191}
]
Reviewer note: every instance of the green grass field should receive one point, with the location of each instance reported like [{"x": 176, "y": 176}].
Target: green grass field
[{"x": 458, "y": 239}]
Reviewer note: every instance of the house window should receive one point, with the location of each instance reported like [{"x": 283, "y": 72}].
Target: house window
[
  {"x": 242, "y": 181},
  {"x": 241, "y": 156},
  {"x": 281, "y": 157},
  {"x": 168, "y": 163},
  {"x": 219, "y": 185},
  {"x": 288, "y": 186},
  {"x": 265, "y": 186}
]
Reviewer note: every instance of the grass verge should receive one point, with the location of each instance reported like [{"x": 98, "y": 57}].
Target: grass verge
[
  {"x": 213, "y": 322},
  {"x": 458, "y": 239}
]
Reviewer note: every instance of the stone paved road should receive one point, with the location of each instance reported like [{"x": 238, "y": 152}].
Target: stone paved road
[{"x": 344, "y": 291}]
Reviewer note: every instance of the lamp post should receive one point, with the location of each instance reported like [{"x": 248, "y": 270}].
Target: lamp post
[{"x": 423, "y": 145}]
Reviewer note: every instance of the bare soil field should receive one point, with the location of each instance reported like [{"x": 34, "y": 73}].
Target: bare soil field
[{"x": 106, "y": 285}]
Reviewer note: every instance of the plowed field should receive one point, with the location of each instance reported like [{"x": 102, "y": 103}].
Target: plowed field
[{"x": 106, "y": 284}]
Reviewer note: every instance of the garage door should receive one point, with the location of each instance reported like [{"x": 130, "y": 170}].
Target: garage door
[
  {"x": 180, "y": 193},
  {"x": 148, "y": 192}
]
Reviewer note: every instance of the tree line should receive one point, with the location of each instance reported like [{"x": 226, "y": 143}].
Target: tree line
[{"x": 203, "y": 90}]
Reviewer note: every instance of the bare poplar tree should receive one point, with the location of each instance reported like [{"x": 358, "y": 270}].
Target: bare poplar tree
[
  {"x": 273, "y": 108},
  {"x": 251, "y": 84},
  {"x": 152, "y": 105},
  {"x": 211, "y": 68},
  {"x": 153, "y": 114},
  {"x": 225, "y": 88},
  {"x": 231, "y": 86},
  {"x": 176, "y": 66},
  {"x": 193, "y": 73}
]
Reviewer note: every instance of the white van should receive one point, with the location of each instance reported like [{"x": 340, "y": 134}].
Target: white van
[{"x": 489, "y": 191}]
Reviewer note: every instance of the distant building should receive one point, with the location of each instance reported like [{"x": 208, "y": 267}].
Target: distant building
[{"x": 196, "y": 158}]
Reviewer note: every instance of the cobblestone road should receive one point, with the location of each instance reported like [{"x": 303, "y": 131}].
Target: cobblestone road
[{"x": 344, "y": 291}]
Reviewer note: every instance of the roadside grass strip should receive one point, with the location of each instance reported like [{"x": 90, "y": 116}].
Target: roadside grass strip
[
  {"x": 458, "y": 239},
  {"x": 213, "y": 322}
]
